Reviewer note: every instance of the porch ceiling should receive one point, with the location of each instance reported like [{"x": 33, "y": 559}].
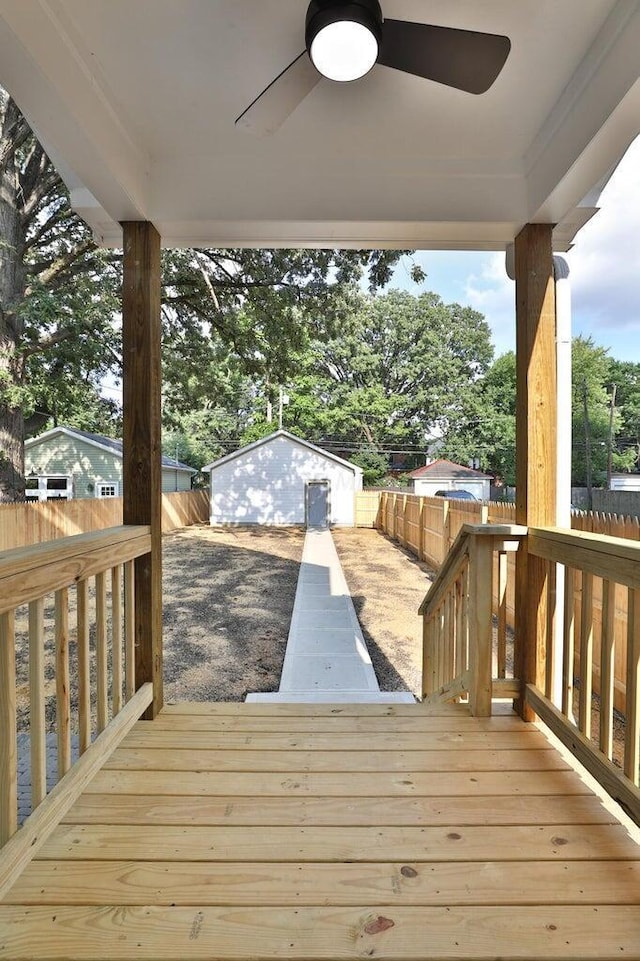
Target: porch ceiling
[{"x": 136, "y": 101}]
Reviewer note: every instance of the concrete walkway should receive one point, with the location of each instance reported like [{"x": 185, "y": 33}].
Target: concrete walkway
[{"x": 326, "y": 657}]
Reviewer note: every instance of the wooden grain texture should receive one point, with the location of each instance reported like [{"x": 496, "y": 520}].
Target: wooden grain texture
[
  {"x": 129, "y": 631},
  {"x": 327, "y": 933},
  {"x": 607, "y": 667},
  {"x": 586, "y": 654},
  {"x": 632, "y": 729},
  {"x": 188, "y": 759},
  {"x": 25, "y": 844},
  {"x": 620, "y": 786},
  {"x": 37, "y": 720},
  {"x": 316, "y": 883},
  {"x": 480, "y": 626},
  {"x": 536, "y": 431},
  {"x": 142, "y": 465},
  {"x": 84, "y": 669},
  {"x": 324, "y": 811},
  {"x": 467, "y": 867},
  {"x": 8, "y": 740},
  {"x": 35, "y": 571},
  {"x": 63, "y": 693},
  {"x": 116, "y": 639},
  {"x": 452, "y": 842},
  {"x": 102, "y": 654}
]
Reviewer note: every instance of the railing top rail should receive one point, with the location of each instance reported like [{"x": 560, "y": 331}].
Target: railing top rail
[
  {"x": 612, "y": 558},
  {"x": 27, "y": 573},
  {"x": 459, "y": 551}
]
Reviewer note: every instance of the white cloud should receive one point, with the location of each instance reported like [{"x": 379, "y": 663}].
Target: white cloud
[
  {"x": 490, "y": 291},
  {"x": 605, "y": 262}
]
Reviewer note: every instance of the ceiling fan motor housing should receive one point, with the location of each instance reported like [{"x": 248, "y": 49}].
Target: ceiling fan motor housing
[{"x": 321, "y": 13}]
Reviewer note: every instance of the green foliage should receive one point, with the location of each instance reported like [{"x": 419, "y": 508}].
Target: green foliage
[{"x": 374, "y": 464}]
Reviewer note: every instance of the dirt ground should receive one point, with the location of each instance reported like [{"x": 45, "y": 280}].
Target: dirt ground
[{"x": 228, "y": 598}]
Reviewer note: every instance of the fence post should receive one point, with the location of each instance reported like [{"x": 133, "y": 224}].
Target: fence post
[
  {"x": 421, "y": 528},
  {"x": 446, "y": 529}
]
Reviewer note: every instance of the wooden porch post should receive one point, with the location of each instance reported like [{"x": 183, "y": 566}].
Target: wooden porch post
[
  {"x": 536, "y": 419},
  {"x": 142, "y": 467}
]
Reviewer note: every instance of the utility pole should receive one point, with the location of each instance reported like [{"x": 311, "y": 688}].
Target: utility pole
[
  {"x": 612, "y": 408},
  {"x": 587, "y": 445}
]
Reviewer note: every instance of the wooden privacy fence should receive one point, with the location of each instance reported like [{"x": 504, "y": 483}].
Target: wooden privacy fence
[
  {"x": 25, "y": 524},
  {"x": 428, "y": 527}
]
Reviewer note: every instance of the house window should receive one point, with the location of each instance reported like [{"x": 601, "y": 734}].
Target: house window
[{"x": 108, "y": 490}]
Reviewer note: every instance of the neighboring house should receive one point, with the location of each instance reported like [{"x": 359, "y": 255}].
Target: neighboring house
[
  {"x": 282, "y": 480},
  {"x": 445, "y": 475},
  {"x": 625, "y": 482},
  {"x": 65, "y": 463}
]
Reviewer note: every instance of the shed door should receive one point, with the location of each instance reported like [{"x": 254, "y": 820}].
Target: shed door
[{"x": 318, "y": 504}]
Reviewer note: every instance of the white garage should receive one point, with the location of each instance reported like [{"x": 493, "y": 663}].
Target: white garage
[{"x": 282, "y": 480}]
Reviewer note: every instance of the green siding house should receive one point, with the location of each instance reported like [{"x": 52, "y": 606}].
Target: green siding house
[{"x": 65, "y": 463}]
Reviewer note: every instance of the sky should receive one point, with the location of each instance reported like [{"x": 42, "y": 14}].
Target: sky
[{"x": 604, "y": 269}]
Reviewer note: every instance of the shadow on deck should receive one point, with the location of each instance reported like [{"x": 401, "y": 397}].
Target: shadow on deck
[{"x": 237, "y": 831}]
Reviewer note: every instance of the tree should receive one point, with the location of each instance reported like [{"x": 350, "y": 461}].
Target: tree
[
  {"x": 626, "y": 377},
  {"x": 490, "y": 432},
  {"x": 590, "y": 367},
  {"x": 401, "y": 368},
  {"x": 225, "y": 312},
  {"x": 57, "y": 297}
]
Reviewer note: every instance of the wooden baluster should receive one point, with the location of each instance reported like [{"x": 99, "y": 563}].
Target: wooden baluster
[
  {"x": 129, "y": 631},
  {"x": 427, "y": 657},
  {"x": 460, "y": 639},
  {"x": 84, "y": 670},
  {"x": 116, "y": 637},
  {"x": 480, "y": 625},
  {"x": 465, "y": 618},
  {"x": 607, "y": 667},
  {"x": 552, "y": 579},
  {"x": 632, "y": 707},
  {"x": 502, "y": 613},
  {"x": 102, "y": 676},
  {"x": 568, "y": 642},
  {"x": 63, "y": 696},
  {"x": 37, "y": 702},
  {"x": 8, "y": 739},
  {"x": 586, "y": 654},
  {"x": 446, "y": 641}
]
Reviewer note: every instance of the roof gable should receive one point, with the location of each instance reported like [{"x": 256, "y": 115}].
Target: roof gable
[
  {"x": 284, "y": 434},
  {"x": 109, "y": 444},
  {"x": 442, "y": 468}
]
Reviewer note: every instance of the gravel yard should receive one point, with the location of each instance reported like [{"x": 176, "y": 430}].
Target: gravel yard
[{"x": 229, "y": 596}]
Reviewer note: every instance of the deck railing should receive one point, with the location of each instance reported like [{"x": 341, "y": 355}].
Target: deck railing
[
  {"x": 72, "y": 598},
  {"x": 465, "y": 607},
  {"x": 605, "y": 740},
  {"x": 466, "y": 654}
]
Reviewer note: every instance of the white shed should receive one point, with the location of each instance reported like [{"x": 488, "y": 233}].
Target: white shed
[
  {"x": 446, "y": 475},
  {"x": 282, "y": 480}
]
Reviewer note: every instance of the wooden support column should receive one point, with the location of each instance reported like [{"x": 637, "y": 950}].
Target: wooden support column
[
  {"x": 536, "y": 452},
  {"x": 142, "y": 467}
]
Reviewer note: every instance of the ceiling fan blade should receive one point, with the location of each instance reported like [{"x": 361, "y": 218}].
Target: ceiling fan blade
[
  {"x": 463, "y": 59},
  {"x": 271, "y": 108}
]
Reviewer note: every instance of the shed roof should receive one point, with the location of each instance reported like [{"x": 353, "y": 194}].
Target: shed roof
[
  {"x": 109, "y": 444},
  {"x": 287, "y": 436},
  {"x": 446, "y": 469}
]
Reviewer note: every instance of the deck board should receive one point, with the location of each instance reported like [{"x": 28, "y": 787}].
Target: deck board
[{"x": 311, "y": 832}]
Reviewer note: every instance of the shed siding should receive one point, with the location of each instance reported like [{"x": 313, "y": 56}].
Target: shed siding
[
  {"x": 266, "y": 485},
  {"x": 88, "y": 465}
]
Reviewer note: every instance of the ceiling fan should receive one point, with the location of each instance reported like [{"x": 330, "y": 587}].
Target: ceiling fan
[{"x": 345, "y": 39}]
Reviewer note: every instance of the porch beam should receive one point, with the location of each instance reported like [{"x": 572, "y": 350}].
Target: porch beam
[
  {"x": 536, "y": 447},
  {"x": 142, "y": 466}
]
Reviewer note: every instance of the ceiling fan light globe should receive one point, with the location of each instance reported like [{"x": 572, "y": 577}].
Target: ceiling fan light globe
[{"x": 344, "y": 50}]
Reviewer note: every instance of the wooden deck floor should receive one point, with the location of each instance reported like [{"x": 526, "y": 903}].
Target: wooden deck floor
[{"x": 299, "y": 832}]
